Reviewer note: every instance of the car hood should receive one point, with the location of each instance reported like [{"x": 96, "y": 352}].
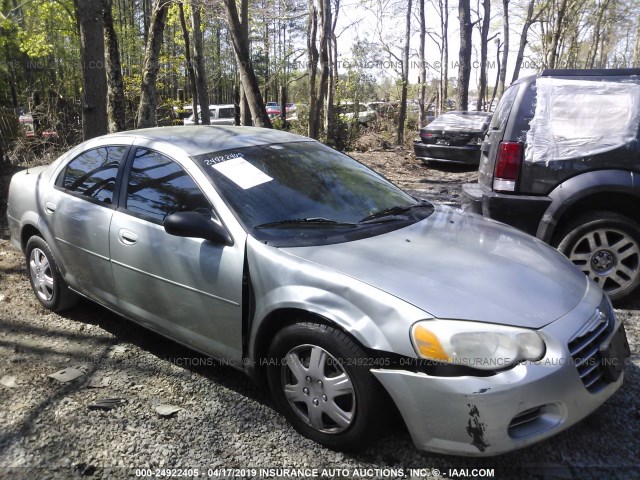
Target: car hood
[{"x": 460, "y": 266}]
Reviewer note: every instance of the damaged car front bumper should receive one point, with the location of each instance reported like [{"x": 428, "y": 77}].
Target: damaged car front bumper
[{"x": 484, "y": 416}]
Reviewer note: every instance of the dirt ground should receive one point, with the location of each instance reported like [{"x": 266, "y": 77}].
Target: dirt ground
[{"x": 46, "y": 430}]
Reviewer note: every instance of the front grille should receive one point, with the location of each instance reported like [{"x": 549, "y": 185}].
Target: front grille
[{"x": 585, "y": 348}]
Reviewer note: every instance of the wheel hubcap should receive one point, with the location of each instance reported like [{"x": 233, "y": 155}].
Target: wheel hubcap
[
  {"x": 602, "y": 261},
  {"x": 318, "y": 389},
  {"x": 609, "y": 256},
  {"x": 41, "y": 274}
]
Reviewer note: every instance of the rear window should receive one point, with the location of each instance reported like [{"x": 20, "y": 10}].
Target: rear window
[
  {"x": 501, "y": 115},
  {"x": 225, "y": 113},
  {"x": 460, "y": 121}
]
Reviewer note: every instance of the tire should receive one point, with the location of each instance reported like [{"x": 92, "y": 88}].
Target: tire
[
  {"x": 48, "y": 285},
  {"x": 306, "y": 395},
  {"x": 606, "y": 247}
]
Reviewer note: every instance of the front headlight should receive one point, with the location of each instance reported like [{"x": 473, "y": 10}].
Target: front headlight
[{"x": 477, "y": 345}]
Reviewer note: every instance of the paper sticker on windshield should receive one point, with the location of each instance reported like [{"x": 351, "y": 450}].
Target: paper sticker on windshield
[{"x": 242, "y": 173}]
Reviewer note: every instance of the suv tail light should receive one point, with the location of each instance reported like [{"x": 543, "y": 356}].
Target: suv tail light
[{"x": 507, "y": 166}]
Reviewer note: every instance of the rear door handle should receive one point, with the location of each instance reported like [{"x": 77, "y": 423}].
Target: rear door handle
[
  {"x": 50, "y": 207},
  {"x": 127, "y": 238}
]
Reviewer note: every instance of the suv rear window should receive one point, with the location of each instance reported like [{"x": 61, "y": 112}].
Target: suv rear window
[{"x": 501, "y": 115}]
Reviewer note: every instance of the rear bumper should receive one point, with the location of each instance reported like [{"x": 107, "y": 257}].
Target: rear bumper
[
  {"x": 523, "y": 212},
  {"x": 485, "y": 416},
  {"x": 445, "y": 153}
]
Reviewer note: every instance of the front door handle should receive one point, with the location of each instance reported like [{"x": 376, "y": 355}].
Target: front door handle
[
  {"x": 127, "y": 238},
  {"x": 49, "y": 207}
]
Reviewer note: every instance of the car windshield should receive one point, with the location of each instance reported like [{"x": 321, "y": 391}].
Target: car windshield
[
  {"x": 460, "y": 121},
  {"x": 309, "y": 192}
]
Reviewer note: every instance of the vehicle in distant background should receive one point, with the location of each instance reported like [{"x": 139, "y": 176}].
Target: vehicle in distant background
[
  {"x": 29, "y": 127},
  {"x": 348, "y": 111},
  {"x": 220, "y": 115},
  {"x": 453, "y": 137},
  {"x": 272, "y": 108}
]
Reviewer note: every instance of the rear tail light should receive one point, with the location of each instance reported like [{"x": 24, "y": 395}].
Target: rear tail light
[{"x": 507, "y": 166}]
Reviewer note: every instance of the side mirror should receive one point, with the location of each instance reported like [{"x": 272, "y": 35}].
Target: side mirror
[{"x": 196, "y": 225}]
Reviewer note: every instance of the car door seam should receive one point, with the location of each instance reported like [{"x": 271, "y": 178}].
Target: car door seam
[{"x": 186, "y": 287}]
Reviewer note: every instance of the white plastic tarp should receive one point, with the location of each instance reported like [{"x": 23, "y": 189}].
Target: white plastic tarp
[{"x": 578, "y": 118}]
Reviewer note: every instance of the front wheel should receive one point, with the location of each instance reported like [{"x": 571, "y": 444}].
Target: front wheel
[
  {"x": 606, "y": 247},
  {"x": 319, "y": 379}
]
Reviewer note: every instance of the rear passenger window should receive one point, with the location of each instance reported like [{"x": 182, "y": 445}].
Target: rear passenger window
[
  {"x": 158, "y": 187},
  {"x": 93, "y": 173}
]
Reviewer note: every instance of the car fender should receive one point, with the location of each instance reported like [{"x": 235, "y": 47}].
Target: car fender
[
  {"x": 376, "y": 319},
  {"x": 570, "y": 192}
]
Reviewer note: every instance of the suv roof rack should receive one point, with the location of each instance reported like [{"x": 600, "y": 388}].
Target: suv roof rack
[{"x": 590, "y": 72}]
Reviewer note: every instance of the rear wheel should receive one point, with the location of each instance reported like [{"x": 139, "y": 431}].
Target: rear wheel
[
  {"x": 606, "y": 247},
  {"x": 319, "y": 378},
  {"x": 50, "y": 288}
]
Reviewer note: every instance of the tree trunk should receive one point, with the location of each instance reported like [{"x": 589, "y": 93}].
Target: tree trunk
[
  {"x": 245, "y": 111},
  {"x": 505, "y": 47},
  {"x": 115, "y": 85},
  {"x": 464, "y": 56},
  {"x": 266, "y": 48},
  {"x": 405, "y": 76},
  {"x": 198, "y": 58},
  {"x": 636, "y": 49},
  {"x": 94, "y": 80},
  {"x": 444, "y": 85},
  {"x": 148, "y": 101},
  {"x": 495, "y": 87},
  {"x": 593, "y": 50},
  {"x": 327, "y": 87},
  {"x": 283, "y": 106},
  {"x": 324, "y": 13},
  {"x": 240, "y": 39},
  {"x": 312, "y": 69},
  {"x": 523, "y": 40},
  {"x": 484, "y": 35},
  {"x": 557, "y": 32},
  {"x": 236, "y": 104},
  {"x": 423, "y": 67},
  {"x": 190, "y": 70},
  {"x": 12, "y": 78}
]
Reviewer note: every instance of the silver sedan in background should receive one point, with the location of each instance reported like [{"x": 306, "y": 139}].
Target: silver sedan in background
[{"x": 311, "y": 272}]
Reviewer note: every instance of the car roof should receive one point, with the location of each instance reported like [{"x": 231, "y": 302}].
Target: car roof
[{"x": 200, "y": 139}]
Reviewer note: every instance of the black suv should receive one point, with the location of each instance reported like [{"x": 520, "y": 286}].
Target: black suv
[{"x": 561, "y": 161}]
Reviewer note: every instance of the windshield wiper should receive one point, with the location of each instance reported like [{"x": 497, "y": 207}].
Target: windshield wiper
[
  {"x": 311, "y": 221},
  {"x": 392, "y": 211}
]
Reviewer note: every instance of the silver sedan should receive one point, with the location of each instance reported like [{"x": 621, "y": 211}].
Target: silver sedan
[{"x": 307, "y": 270}]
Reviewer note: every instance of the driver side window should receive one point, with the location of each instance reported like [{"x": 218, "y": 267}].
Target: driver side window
[{"x": 158, "y": 187}]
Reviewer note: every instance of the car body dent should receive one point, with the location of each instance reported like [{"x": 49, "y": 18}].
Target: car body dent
[
  {"x": 436, "y": 409},
  {"x": 281, "y": 280}
]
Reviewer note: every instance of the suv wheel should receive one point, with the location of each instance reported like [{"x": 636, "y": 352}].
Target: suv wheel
[
  {"x": 319, "y": 378},
  {"x": 606, "y": 247}
]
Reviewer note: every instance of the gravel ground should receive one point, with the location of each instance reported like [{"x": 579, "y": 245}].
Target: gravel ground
[{"x": 225, "y": 422}]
